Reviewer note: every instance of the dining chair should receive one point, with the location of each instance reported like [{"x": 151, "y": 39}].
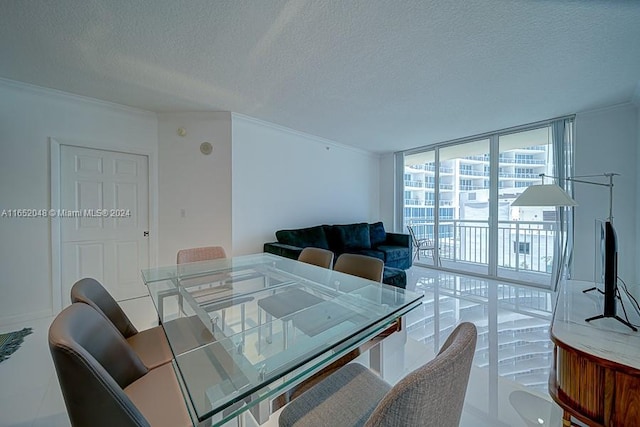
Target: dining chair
[
  {"x": 209, "y": 253},
  {"x": 430, "y": 396},
  {"x": 360, "y": 265},
  {"x": 104, "y": 382},
  {"x": 422, "y": 245},
  {"x": 205, "y": 253},
  {"x": 281, "y": 305},
  {"x": 150, "y": 345},
  {"x": 316, "y": 256}
]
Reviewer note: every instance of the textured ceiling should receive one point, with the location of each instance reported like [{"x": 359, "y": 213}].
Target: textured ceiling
[{"x": 379, "y": 75}]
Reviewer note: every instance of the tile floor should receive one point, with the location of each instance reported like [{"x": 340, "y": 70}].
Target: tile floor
[{"x": 508, "y": 381}]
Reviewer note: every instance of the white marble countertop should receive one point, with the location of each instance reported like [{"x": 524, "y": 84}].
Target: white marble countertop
[{"x": 605, "y": 338}]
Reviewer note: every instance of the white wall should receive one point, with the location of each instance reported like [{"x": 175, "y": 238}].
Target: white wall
[
  {"x": 286, "y": 179},
  {"x": 28, "y": 117},
  {"x": 607, "y": 141},
  {"x": 387, "y": 191},
  {"x": 194, "y": 189}
]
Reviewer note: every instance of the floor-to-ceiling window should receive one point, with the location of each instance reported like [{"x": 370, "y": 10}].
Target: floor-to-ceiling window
[{"x": 458, "y": 195}]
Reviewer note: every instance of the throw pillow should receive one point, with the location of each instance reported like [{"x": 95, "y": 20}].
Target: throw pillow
[
  {"x": 304, "y": 237},
  {"x": 353, "y": 236},
  {"x": 377, "y": 234}
]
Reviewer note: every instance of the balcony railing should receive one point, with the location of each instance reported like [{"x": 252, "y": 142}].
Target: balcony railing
[
  {"x": 442, "y": 169},
  {"x": 522, "y": 245},
  {"x": 520, "y": 161},
  {"x": 470, "y": 172},
  {"x": 426, "y": 202},
  {"x": 442, "y": 186}
]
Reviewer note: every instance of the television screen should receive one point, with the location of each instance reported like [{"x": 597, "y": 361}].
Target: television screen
[{"x": 606, "y": 264}]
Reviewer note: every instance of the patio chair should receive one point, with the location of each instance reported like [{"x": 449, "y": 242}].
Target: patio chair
[{"x": 423, "y": 245}]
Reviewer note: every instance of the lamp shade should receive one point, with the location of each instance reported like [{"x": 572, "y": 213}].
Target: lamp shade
[{"x": 544, "y": 195}]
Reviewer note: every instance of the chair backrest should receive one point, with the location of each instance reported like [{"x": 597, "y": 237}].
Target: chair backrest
[
  {"x": 360, "y": 265},
  {"x": 316, "y": 256},
  {"x": 200, "y": 254},
  {"x": 432, "y": 395},
  {"x": 94, "y": 364},
  {"x": 412, "y": 234},
  {"x": 90, "y": 291},
  {"x": 423, "y": 243}
]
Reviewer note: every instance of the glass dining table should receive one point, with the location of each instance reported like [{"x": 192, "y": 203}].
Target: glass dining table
[{"x": 245, "y": 330}]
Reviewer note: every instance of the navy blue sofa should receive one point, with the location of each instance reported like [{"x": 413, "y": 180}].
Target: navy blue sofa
[{"x": 360, "y": 238}]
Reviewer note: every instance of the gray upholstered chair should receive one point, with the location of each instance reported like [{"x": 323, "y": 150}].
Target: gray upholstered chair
[
  {"x": 104, "y": 382},
  {"x": 316, "y": 256},
  {"x": 360, "y": 265},
  {"x": 281, "y": 305},
  {"x": 200, "y": 254},
  {"x": 150, "y": 345},
  {"x": 432, "y": 395}
]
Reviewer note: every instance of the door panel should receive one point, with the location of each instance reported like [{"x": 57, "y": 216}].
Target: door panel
[
  {"x": 88, "y": 259},
  {"x": 105, "y": 195}
]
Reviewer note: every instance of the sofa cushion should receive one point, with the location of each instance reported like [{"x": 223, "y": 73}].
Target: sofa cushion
[
  {"x": 352, "y": 236},
  {"x": 372, "y": 253},
  {"x": 377, "y": 234},
  {"x": 304, "y": 237},
  {"x": 393, "y": 253}
]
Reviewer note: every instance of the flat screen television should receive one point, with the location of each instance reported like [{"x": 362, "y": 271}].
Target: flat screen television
[
  {"x": 609, "y": 259},
  {"x": 607, "y": 271}
]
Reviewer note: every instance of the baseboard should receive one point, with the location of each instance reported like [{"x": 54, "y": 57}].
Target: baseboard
[{"x": 26, "y": 317}]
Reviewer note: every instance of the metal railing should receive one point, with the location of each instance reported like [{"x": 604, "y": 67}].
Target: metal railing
[
  {"x": 520, "y": 161},
  {"x": 426, "y": 202},
  {"x": 471, "y": 172},
  {"x": 522, "y": 245},
  {"x": 441, "y": 186},
  {"x": 443, "y": 169}
]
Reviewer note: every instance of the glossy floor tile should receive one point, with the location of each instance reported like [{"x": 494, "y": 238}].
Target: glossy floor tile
[
  {"x": 510, "y": 372},
  {"x": 508, "y": 381}
]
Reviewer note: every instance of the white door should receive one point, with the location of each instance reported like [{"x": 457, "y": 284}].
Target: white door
[{"x": 104, "y": 201}]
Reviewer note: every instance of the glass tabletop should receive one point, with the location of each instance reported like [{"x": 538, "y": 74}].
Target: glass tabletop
[{"x": 248, "y": 328}]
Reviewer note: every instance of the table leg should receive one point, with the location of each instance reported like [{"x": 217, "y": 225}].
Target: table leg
[
  {"x": 259, "y": 328},
  {"x": 261, "y": 411},
  {"x": 269, "y": 320},
  {"x": 387, "y": 357}
]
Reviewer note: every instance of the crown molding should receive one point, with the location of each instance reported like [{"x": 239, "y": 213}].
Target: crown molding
[
  {"x": 326, "y": 142},
  {"x": 605, "y": 108},
  {"x": 58, "y": 94}
]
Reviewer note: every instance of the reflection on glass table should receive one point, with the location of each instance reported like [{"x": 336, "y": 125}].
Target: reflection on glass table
[{"x": 229, "y": 359}]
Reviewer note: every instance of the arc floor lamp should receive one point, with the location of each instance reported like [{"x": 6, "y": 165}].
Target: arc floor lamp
[{"x": 553, "y": 195}]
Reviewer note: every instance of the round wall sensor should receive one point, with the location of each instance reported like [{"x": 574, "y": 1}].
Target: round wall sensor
[{"x": 206, "y": 148}]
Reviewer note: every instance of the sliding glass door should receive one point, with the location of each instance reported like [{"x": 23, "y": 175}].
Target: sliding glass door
[
  {"x": 525, "y": 235},
  {"x": 457, "y": 199}
]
